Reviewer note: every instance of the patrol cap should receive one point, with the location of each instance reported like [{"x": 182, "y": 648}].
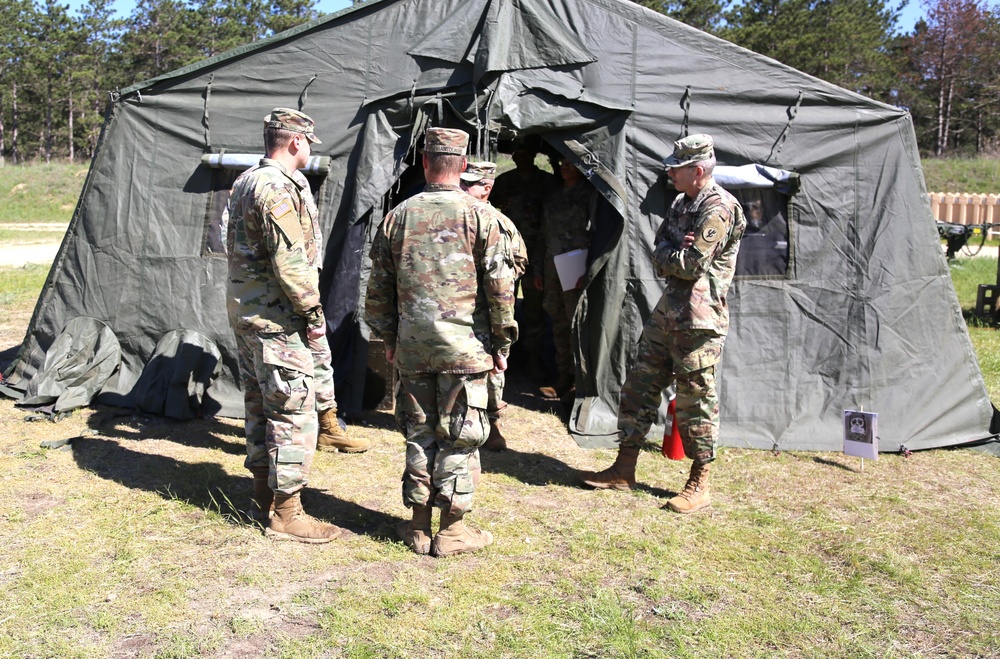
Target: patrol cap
[
  {"x": 450, "y": 141},
  {"x": 293, "y": 120},
  {"x": 477, "y": 171},
  {"x": 691, "y": 149}
]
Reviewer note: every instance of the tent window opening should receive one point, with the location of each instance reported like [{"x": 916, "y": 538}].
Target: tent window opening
[
  {"x": 764, "y": 193},
  {"x": 764, "y": 248},
  {"x": 226, "y": 168}
]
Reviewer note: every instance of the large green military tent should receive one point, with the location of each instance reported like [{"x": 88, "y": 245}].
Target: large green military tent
[{"x": 843, "y": 299}]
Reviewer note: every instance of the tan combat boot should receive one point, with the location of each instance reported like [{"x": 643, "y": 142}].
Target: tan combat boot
[
  {"x": 565, "y": 388},
  {"x": 290, "y": 522},
  {"x": 457, "y": 538},
  {"x": 619, "y": 476},
  {"x": 334, "y": 438},
  {"x": 496, "y": 440},
  {"x": 262, "y": 503},
  {"x": 695, "y": 495},
  {"x": 416, "y": 533}
]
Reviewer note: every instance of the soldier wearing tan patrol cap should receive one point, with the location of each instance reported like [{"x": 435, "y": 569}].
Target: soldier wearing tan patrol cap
[
  {"x": 273, "y": 247},
  {"x": 293, "y": 120},
  {"x": 477, "y": 180},
  {"x": 441, "y": 297},
  {"x": 695, "y": 250}
]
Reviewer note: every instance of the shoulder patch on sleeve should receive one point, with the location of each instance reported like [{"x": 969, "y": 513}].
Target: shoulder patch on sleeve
[
  {"x": 284, "y": 218},
  {"x": 709, "y": 234},
  {"x": 281, "y": 209}
]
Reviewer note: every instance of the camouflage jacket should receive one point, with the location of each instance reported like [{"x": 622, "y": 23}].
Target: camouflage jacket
[
  {"x": 698, "y": 278},
  {"x": 441, "y": 288},
  {"x": 516, "y": 246},
  {"x": 521, "y": 199},
  {"x": 566, "y": 220},
  {"x": 274, "y": 250}
]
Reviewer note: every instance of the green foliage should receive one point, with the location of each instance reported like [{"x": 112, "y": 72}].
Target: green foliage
[
  {"x": 56, "y": 69},
  {"x": 952, "y": 78},
  {"x": 702, "y": 14},
  {"x": 846, "y": 42}
]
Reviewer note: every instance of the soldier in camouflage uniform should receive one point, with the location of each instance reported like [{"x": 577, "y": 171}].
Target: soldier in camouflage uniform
[
  {"x": 275, "y": 311},
  {"x": 477, "y": 180},
  {"x": 696, "y": 248},
  {"x": 565, "y": 227},
  {"x": 441, "y": 297},
  {"x": 520, "y": 194}
]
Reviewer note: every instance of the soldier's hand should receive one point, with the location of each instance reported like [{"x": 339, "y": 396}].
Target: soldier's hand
[
  {"x": 389, "y": 354},
  {"x": 688, "y": 240},
  {"x": 499, "y": 364},
  {"x": 316, "y": 332},
  {"x": 539, "y": 285}
]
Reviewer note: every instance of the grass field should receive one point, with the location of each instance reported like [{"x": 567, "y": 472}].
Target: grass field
[
  {"x": 40, "y": 193},
  {"x": 130, "y": 544},
  {"x": 972, "y": 175}
]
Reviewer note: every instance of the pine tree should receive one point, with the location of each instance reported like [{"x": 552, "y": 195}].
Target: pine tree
[
  {"x": 285, "y": 14},
  {"x": 846, "y": 42},
  {"x": 703, "y": 14},
  {"x": 161, "y": 35},
  {"x": 15, "y": 16}
]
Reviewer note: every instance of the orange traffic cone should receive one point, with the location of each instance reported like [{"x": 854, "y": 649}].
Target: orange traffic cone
[{"x": 673, "y": 448}]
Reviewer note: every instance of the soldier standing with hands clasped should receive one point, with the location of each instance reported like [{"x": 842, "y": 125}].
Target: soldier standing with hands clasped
[
  {"x": 441, "y": 297},
  {"x": 696, "y": 248},
  {"x": 275, "y": 312},
  {"x": 477, "y": 180}
]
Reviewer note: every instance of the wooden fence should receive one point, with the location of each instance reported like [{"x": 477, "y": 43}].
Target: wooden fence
[{"x": 962, "y": 208}]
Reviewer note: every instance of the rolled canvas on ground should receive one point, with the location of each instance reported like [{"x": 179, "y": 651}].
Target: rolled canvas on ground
[{"x": 571, "y": 266}]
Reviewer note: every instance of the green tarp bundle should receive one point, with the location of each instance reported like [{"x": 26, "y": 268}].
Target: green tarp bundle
[{"x": 861, "y": 312}]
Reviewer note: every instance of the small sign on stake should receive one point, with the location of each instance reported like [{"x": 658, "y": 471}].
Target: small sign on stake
[{"x": 861, "y": 434}]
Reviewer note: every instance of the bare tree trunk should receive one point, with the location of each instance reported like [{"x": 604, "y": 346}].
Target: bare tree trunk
[
  {"x": 71, "y": 126},
  {"x": 3, "y": 149},
  {"x": 939, "y": 142},
  {"x": 979, "y": 131},
  {"x": 47, "y": 139},
  {"x": 13, "y": 136},
  {"x": 947, "y": 114}
]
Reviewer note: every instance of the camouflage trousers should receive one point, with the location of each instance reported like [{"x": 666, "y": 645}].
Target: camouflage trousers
[
  {"x": 561, "y": 307},
  {"x": 323, "y": 373},
  {"x": 443, "y": 417},
  {"x": 532, "y": 330},
  {"x": 280, "y": 402},
  {"x": 494, "y": 387},
  {"x": 689, "y": 358}
]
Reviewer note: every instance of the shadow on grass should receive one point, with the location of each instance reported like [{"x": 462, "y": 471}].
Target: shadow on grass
[
  {"x": 834, "y": 463},
  {"x": 209, "y": 433},
  {"x": 208, "y": 486},
  {"x": 7, "y": 357},
  {"x": 529, "y": 468}
]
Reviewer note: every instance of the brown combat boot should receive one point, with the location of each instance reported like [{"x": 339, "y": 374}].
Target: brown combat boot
[
  {"x": 290, "y": 522},
  {"x": 262, "y": 503},
  {"x": 496, "y": 440},
  {"x": 565, "y": 388},
  {"x": 695, "y": 495},
  {"x": 619, "y": 476},
  {"x": 416, "y": 533},
  {"x": 457, "y": 538},
  {"x": 334, "y": 438}
]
